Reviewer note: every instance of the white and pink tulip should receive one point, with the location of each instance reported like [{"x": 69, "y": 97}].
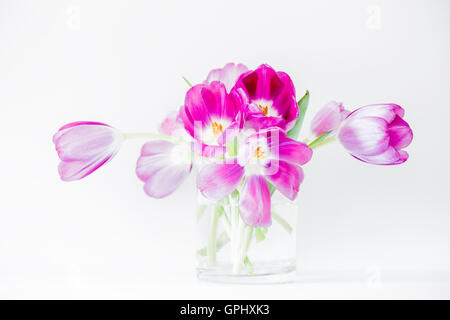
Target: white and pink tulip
[
  {"x": 377, "y": 134},
  {"x": 85, "y": 146},
  {"x": 265, "y": 156},
  {"x": 328, "y": 118}
]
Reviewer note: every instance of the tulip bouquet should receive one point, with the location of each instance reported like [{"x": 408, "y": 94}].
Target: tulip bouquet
[{"x": 240, "y": 129}]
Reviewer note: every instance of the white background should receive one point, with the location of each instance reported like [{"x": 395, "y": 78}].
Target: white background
[{"x": 363, "y": 232}]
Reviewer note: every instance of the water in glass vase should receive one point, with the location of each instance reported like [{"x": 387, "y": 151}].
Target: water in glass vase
[{"x": 231, "y": 251}]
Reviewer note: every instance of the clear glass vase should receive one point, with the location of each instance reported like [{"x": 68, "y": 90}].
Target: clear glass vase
[{"x": 231, "y": 251}]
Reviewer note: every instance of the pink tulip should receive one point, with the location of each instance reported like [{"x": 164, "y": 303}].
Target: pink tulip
[
  {"x": 172, "y": 125},
  {"x": 267, "y": 98},
  {"x": 228, "y": 75},
  {"x": 328, "y": 118},
  {"x": 266, "y": 156},
  {"x": 164, "y": 165},
  {"x": 210, "y": 117},
  {"x": 83, "y": 147},
  {"x": 376, "y": 134}
]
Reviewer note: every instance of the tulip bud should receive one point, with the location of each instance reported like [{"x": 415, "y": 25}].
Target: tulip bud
[
  {"x": 83, "y": 147},
  {"x": 328, "y": 118},
  {"x": 376, "y": 134}
]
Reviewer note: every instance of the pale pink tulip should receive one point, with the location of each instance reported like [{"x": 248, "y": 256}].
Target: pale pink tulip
[
  {"x": 228, "y": 75},
  {"x": 84, "y": 146},
  {"x": 164, "y": 165},
  {"x": 376, "y": 134},
  {"x": 328, "y": 118}
]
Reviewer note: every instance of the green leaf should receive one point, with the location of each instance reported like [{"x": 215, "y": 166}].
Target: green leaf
[
  {"x": 272, "y": 189},
  {"x": 302, "y": 107},
  {"x": 319, "y": 140}
]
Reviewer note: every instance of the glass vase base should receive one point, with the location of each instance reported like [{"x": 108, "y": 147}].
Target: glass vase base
[{"x": 264, "y": 274}]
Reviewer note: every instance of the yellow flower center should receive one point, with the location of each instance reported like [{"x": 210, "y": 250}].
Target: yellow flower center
[
  {"x": 259, "y": 153},
  {"x": 264, "y": 109},
  {"x": 217, "y": 128}
]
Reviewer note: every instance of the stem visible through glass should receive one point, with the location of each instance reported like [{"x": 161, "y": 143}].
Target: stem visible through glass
[{"x": 211, "y": 251}]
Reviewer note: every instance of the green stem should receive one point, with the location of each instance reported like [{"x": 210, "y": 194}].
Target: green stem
[
  {"x": 323, "y": 143},
  {"x": 146, "y": 135},
  {"x": 238, "y": 258},
  {"x": 222, "y": 240},
  {"x": 286, "y": 226},
  {"x": 200, "y": 211},
  {"x": 247, "y": 241},
  {"x": 213, "y": 238},
  {"x": 321, "y": 140},
  {"x": 248, "y": 265},
  {"x": 187, "y": 81}
]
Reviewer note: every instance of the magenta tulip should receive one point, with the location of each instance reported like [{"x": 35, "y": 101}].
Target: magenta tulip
[
  {"x": 210, "y": 117},
  {"x": 265, "y": 156},
  {"x": 84, "y": 146},
  {"x": 376, "y": 134},
  {"x": 267, "y": 97}
]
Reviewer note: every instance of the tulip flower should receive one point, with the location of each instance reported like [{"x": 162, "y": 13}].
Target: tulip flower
[
  {"x": 376, "y": 134},
  {"x": 84, "y": 146},
  {"x": 328, "y": 118},
  {"x": 210, "y": 117},
  {"x": 268, "y": 155},
  {"x": 172, "y": 125},
  {"x": 228, "y": 75},
  {"x": 164, "y": 165},
  {"x": 267, "y": 97}
]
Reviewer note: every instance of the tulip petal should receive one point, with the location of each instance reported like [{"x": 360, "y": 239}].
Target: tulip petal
[
  {"x": 157, "y": 147},
  {"x": 260, "y": 122},
  {"x": 281, "y": 147},
  {"x": 264, "y": 83},
  {"x": 172, "y": 125},
  {"x": 228, "y": 75},
  {"x": 206, "y": 103},
  {"x": 78, "y": 169},
  {"x": 286, "y": 177},
  {"x": 255, "y": 202},
  {"x": 230, "y": 133},
  {"x": 163, "y": 167},
  {"x": 388, "y": 157},
  {"x": 216, "y": 181},
  {"x": 400, "y": 133},
  {"x": 364, "y": 136},
  {"x": 385, "y": 111},
  {"x": 294, "y": 151},
  {"x": 165, "y": 181},
  {"x": 328, "y": 118},
  {"x": 274, "y": 91},
  {"x": 208, "y": 151}
]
